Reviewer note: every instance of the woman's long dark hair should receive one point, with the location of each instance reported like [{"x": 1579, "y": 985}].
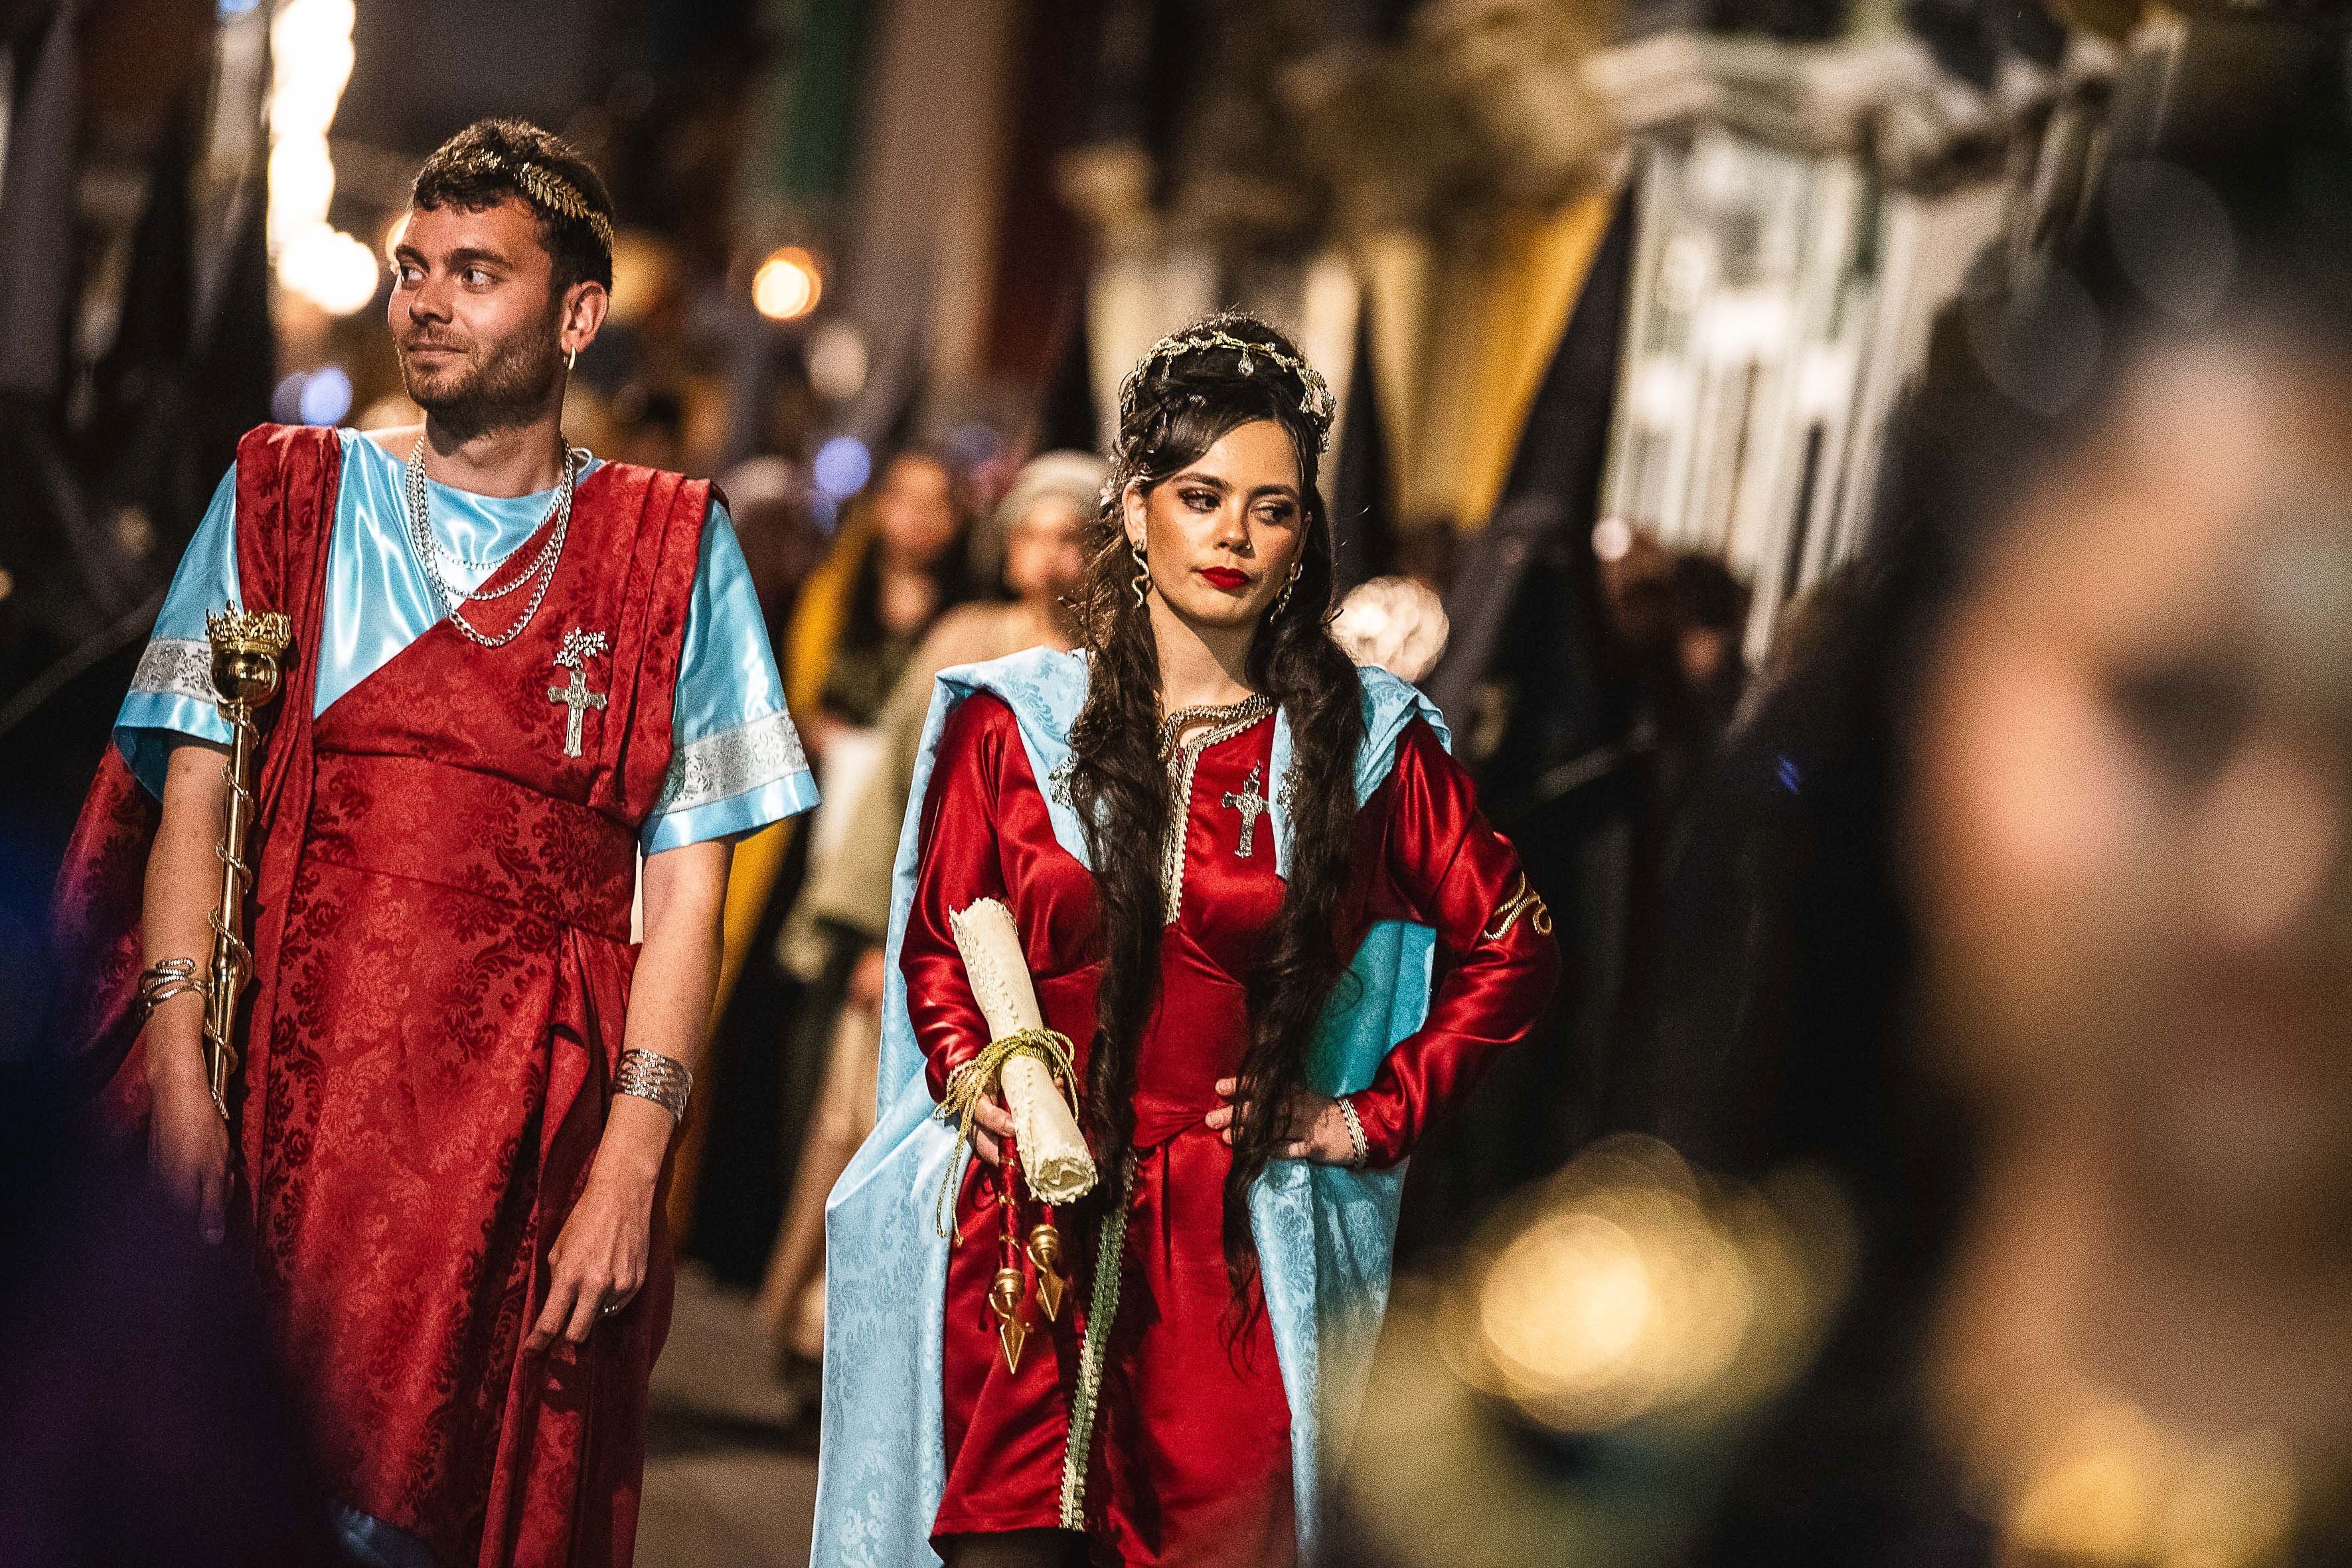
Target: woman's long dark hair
[{"x": 1175, "y": 412}]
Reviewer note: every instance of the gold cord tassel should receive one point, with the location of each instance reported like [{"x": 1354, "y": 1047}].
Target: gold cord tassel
[
  {"x": 1052, "y": 1280},
  {"x": 1012, "y": 1331},
  {"x": 976, "y": 1081}
]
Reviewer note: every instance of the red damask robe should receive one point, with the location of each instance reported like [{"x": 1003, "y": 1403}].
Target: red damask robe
[
  {"x": 1192, "y": 1460},
  {"x": 440, "y": 926}
]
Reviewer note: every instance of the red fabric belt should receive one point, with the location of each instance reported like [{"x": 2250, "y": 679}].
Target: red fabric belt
[{"x": 478, "y": 833}]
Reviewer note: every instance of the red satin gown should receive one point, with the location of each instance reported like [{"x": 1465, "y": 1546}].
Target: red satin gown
[{"x": 1190, "y": 1461}]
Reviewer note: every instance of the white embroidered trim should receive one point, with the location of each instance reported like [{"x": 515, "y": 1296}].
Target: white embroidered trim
[
  {"x": 726, "y": 764},
  {"x": 176, "y": 667}
]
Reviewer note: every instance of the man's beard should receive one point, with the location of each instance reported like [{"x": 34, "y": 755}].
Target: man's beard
[{"x": 507, "y": 384}]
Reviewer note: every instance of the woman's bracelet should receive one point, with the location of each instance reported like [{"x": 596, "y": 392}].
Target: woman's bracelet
[
  {"x": 159, "y": 982},
  {"x": 1363, "y": 1155},
  {"x": 649, "y": 1075}
]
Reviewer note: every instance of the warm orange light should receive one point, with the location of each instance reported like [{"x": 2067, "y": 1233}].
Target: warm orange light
[{"x": 785, "y": 288}]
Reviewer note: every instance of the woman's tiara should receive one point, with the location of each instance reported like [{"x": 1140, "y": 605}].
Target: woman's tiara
[{"x": 1315, "y": 399}]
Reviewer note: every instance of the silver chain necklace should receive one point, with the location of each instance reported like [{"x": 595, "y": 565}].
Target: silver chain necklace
[
  {"x": 540, "y": 572},
  {"x": 1256, "y": 705}
]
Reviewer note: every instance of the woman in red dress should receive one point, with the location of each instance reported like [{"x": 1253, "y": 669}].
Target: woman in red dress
[{"x": 1193, "y": 956}]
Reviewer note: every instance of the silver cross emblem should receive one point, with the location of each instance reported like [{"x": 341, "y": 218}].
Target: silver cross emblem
[
  {"x": 579, "y": 647},
  {"x": 1252, "y": 804}
]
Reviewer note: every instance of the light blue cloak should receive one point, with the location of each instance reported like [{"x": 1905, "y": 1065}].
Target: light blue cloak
[{"x": 1324, "y": 1234}]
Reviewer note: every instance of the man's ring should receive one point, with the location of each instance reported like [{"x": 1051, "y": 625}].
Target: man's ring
[{"x": 609, "y": 1308}]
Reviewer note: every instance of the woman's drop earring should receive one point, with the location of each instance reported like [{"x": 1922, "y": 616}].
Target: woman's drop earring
[
  {"x": 1143, "y": 574},
  {"x": 1282, "y": 600}
]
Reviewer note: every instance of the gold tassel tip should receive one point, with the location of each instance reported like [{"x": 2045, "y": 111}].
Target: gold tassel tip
[
  {"x": 1004, "y": 1299},
  {"x": 1045, "y": 1252}
]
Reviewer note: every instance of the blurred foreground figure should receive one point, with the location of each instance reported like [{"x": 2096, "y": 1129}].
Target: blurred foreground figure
[
  {"x": 2016, "y": 991},
  {"x": 514, "y": 670},
  {"x": 140, "y": 1414}
]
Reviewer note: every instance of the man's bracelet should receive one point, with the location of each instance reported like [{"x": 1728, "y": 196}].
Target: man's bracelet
[
  {"x": 1355, "y": 1133},
  {"x": 159, "y": 982},
  {"x": 649, "y": 1075}
]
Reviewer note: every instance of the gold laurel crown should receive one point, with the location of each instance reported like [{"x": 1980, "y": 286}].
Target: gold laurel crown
[
  {"x": 1315, "y": 399},
  {"x": 248, "y": 631},
  {"x": 548, "y": 191}
]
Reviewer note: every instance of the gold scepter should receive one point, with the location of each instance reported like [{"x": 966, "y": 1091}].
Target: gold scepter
[{"x": 248, "y": 649}]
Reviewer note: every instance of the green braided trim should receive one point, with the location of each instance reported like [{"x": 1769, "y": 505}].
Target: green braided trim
[{"x": 1109, "y": 1254}]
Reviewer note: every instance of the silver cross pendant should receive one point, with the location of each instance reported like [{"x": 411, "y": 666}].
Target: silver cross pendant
[
  {"x": 579, "y": 647},
  {"x": 1252, "y": 803}
]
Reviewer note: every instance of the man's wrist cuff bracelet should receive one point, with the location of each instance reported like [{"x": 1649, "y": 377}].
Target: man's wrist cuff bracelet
[
  {"x": 159, "y": 982},
  {"x": 649, "y": 1075}
]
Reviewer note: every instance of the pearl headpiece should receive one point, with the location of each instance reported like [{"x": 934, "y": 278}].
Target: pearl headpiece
[{"x": 1315, "y": 399}]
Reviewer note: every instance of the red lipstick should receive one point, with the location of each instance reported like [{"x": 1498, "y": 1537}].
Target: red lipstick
[{"x": 1225, "y": 577}]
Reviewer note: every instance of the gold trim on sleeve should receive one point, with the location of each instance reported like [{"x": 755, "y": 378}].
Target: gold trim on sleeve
[{"x": 1523, "y": 900}]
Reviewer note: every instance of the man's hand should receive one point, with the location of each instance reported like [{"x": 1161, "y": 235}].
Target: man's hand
[
  {"x": 598, "y": 1262},
  {"x": 188, "y": 1142},
  {"x": 1312, "y": 1127}
]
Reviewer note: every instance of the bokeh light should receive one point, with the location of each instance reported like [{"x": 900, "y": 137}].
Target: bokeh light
[
  {"x": 786, "y": 286},
  {"x": 837, "y": 361},
  {"x": 310, "y": 63},
  {"x": 842, "y": 466},
  {"x": 326, "y": 395}
]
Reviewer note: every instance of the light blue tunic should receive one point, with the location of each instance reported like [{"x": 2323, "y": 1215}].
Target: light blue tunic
[
  {"x": 1324, "y": 1233},
  {"x": 737, "y": 764}
]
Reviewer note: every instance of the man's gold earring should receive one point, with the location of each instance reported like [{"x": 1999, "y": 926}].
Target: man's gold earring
[{"x": 571, "y": 362}]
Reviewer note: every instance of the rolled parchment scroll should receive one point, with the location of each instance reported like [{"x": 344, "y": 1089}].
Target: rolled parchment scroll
[{"x": 1052, "y": 1151}]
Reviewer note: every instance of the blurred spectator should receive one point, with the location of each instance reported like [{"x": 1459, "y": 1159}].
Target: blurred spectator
[
  {"x": 899, "y": 560},
  {"x": 1712, "y": 615},
  {"x": 2067, "y": 804},
  {"x": 1032, "y": 544},
  {"x": 649, "y": 427},
  {"x": 2032, "y": 925},
  {"x": 895, "y": 566}
]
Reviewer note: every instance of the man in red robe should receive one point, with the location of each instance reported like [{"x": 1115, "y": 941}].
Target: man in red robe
[{"x": 517, "y": 673}]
